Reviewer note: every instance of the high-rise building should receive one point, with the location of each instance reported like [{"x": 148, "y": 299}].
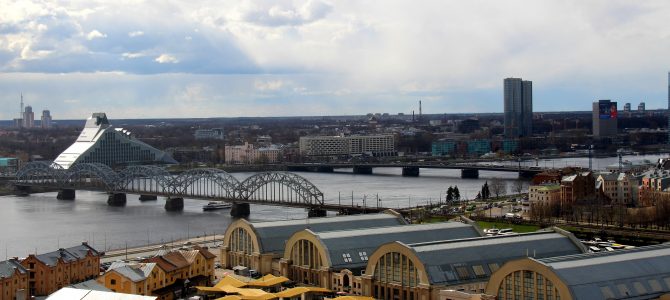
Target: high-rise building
[
  {"x": 46, "y": 119},
  {"x": 626, "y": 107},
  {"x": 604, "y": 118},
  {"x": 28, "y": 117},
  {"x": 641, "y": 107},
  {"x": 18, "y": 122},
  {"x": 669, "y": 107},
  {"x": 518, "y": 101}
]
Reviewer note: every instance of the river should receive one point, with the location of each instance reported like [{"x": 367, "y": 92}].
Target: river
[{"x": 39, "y": 223}]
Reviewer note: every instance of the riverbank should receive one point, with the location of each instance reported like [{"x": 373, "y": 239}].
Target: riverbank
[{"x": 212, "y": 241}]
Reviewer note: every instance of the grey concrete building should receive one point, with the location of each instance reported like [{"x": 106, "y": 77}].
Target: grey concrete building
[
  {"x": 604, "y": 118},
  {"x": 518, "y": 101}
]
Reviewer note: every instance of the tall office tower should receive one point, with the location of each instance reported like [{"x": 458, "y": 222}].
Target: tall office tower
[
  {"x": 626, "y": 107},
  {"x": 46, "y": 119},
  {"x": 18, "y": 122},
  {"x": 604, "y": 118},
  {"x": 668, "y": 107},
  {"x": 28, "y": 117},
  {"x": 641, "y": 107},
  {"x": 518, "y": 101}
]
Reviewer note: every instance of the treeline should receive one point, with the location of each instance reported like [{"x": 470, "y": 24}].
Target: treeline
[{"x": 595, "y": 212}]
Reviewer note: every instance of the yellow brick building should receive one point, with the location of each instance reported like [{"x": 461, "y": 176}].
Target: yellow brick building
[
  {"x": 13, "y": 280},
  {"x": 52, "y": 271}
]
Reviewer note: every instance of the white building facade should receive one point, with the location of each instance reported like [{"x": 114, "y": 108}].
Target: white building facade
[
  {"x": 248, "y": 154},
  {"x": 375, "y": 145}
]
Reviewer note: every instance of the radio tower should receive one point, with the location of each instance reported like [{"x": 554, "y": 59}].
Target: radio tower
[
  {"x": 420, "y": 114},
  {"x": 21, "y": 111}
]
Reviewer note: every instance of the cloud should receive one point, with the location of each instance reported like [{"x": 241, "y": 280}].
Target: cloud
[
  {"x": 135, "y": 33},
  {"x": 285, "y": 15},
  {"x": 271, "y": 85},
  {"x": 95, "y": 35},
  {"x": 133, "y": 55},
  {"x": 312, "y": 51},
  {"x": 166, "y": 58}
]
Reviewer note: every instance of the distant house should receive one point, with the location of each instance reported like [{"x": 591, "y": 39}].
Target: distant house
[{"x": 209, "y": 134}]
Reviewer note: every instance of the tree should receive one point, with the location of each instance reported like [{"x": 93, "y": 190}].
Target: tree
[
  {"x": 518, "y": 187},
  {"x": 456, "y": 193},
  {"x": 485, "y": 191},
  {"x": 450, "y": 194},
  {"x": 498, "y": 187}
]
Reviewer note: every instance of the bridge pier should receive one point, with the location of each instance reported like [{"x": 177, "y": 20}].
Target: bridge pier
[
  {"x": 470, "y": 173},
  {"x": 66, "y": 194},
  {"x": 527, "y": 174},
  {"x": 325, "y": 169},
  {"x": 362, "y": 170},
  {"x": 148, "y": 197},
  {"x": 240, "y": 210},
  {"x": 116, "y": 199},
  {"x": 22, "y": 190},
  {"x": 174, "y": 204},
  {"x": 316, "y": 212},
  {"x": 410, "y": 171}
]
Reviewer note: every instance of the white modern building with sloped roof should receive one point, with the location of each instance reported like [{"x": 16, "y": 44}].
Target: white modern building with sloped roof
[{"x": 100, "y": 142}]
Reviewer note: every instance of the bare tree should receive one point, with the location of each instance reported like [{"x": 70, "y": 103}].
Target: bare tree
[
  {"x": 518, "y": 187},
  {"x": 498, "y": 187}
]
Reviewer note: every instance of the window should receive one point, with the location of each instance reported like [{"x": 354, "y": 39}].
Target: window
[
  {"x": 639, "y": 288},
  {"x": 462, "y": 273},
  {"x": 112, "y": 282},
  {"x": 655, "y": 285},
  {"x": 347, "y": 257},
  {"x": 479, "y": 271},
  {"x": 607, "y": 292},
  {"x": 493, "y": 267},
  {"x": 363, "y": 255}
]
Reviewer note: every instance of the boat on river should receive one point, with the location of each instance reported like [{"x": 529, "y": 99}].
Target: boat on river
[{"x": 215, "y": 205}]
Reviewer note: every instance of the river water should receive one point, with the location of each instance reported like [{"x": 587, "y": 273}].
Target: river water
[{"x": 39, "y": 223}]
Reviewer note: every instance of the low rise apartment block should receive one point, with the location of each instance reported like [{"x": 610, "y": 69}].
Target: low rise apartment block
[
  {"x": 375, "y": 145},
  {"x": 52, "y": 271}
]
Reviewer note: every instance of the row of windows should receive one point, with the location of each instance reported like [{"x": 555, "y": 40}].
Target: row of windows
[
  {"x": 397, "y": 268},
  {"x": 304, "y": 253},
  {"x": 110, "y": 151},
  {"x": 527, "y": 285}
]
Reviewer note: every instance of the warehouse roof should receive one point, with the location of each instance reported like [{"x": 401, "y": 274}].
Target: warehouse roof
[
  {"x": 8, "y": 267},
  {"x": 640, "y": 273},
  {"x": 274, "y": 234},
  {"x": 465, "y": 260},
  {"x": 350, "y": 248}
]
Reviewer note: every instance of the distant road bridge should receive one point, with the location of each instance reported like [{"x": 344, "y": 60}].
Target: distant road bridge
[
  {"x": 468, "y": 170},
  {"x": 268, "y": 188}
]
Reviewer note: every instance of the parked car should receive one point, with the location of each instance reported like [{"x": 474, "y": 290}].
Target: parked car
[{"x": 255, "y": 274}]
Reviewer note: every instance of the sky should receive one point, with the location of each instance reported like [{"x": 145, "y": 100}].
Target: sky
[{"x": 185, "y": 59}]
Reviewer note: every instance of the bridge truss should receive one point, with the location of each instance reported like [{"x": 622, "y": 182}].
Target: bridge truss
[{"x": 281, "y": 188}]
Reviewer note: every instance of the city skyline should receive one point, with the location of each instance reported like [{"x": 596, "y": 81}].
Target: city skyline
[{"x": 319, "y": 58}]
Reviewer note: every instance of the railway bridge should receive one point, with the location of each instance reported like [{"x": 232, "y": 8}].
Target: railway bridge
[
  {"x": 412, "y": 169},
  {"x": 265, "y": 188}
]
